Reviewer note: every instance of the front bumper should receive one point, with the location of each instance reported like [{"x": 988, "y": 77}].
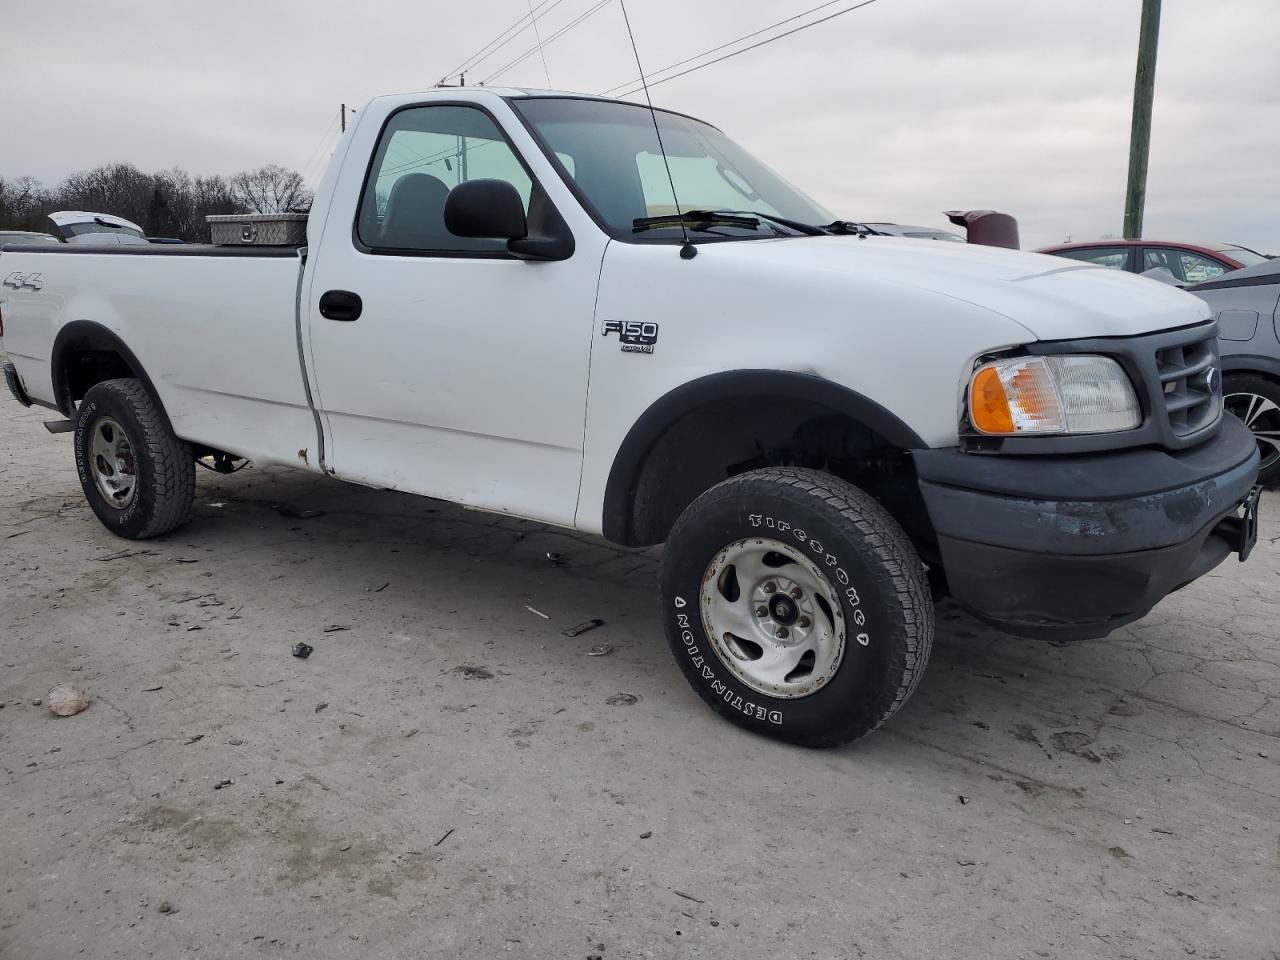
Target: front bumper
[
  {"x": 1072, "y": 547},
  {"x": 15, "y": 385}
]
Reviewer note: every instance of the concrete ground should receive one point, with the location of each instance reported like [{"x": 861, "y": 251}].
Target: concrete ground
[{"x": 448, "y": 775}]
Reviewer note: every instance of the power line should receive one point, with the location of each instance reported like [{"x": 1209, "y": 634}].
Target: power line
[
  {"x": 324, "y": 138},
  {"x": 538, "y": 36},
  {"x": 498, "y": 42},
  {"x": 551, "y": 39},
  {"x": 704, "y": 53},
  {"x": 754, "y": 46}
]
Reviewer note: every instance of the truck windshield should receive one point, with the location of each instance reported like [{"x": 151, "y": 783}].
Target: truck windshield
[{"x": 609, "y": 152}]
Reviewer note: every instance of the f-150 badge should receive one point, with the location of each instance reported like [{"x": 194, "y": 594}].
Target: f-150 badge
[
  {"x": 18, "y": 280},
  {"x": 636, "y": 336}
]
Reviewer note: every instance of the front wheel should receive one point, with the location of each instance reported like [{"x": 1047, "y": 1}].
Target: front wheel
[
  {"x": 796, "y": 606},
  {"x": 137, "y": 476}
]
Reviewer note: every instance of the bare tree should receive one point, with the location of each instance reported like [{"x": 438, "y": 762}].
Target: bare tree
[
  {"x": 24, "y": 203},
  {"x": 169, "y": 203},
  {"x": 271, "y": 189}
]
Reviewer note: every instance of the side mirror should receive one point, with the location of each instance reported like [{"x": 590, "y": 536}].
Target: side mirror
[{"x": 489, "y": 209}]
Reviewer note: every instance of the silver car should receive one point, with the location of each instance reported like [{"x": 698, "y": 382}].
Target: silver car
[{"x": 1246, "y": 304}]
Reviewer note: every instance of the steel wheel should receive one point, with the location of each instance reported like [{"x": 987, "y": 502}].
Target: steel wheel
[
  {"x": 115, "y": 472},
  {"x": 773, "y": 618},
  {"x": 1262, "y": 416}
]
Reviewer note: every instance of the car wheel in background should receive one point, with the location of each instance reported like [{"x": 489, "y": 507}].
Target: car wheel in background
[{"x": 1256, "y": 401}]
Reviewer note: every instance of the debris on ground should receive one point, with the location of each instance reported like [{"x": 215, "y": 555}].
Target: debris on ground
[
  {"x": 962, "y": 798},
  {"x": 321, "y": 706},
  {"x": 1120, "y": 853},
  {"x": 646, "y": 835},
  {"x": 557, "y": 559},
  {"x": 600, "y": 650},
  {"x": 166, "y": 907},
  {"x": 622, "y": 700},
  {"x": 152, "y": 689},
  {"x": 538, "y": 612},
  {"x": 412, "y": 732},
  {"x": 445, "y": 837},
  {"x": 1076, "y": 743},
  {"x": 222, "y": 783},
  {"x": 472, "y": 672},
  {"x": 185, "y": 560},
  {"x": 66, "y": 700},
  {"x": 336, "y": 628},
  {"x": 294, "y": 514},
  {"x": 196, "y": 739},
  {"x": 302, "y": 650},
  {"x": 122, "y": 554},
  {"x": 583, "y": 627},
  {"x": 687, "y": 896},
  {"x": 377, "y": 589}
]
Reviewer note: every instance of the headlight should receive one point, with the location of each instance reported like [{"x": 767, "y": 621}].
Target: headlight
[{"x": 1068, "y": 394}]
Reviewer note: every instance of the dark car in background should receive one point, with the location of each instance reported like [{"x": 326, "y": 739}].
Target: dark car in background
[
  {"x": 1246, "y": 304},
  {"x": 1188, "y": 263}
]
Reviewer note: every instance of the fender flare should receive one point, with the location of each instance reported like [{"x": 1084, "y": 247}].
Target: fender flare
[
  {"x": 630, "y": 457},
  {"x": 79, "y": 332},
  {"x": 1251, "y": 363}
]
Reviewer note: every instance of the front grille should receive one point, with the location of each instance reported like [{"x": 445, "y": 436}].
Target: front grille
[{"x": 1190, "y": 385}]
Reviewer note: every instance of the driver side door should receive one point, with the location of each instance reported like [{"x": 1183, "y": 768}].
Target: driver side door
[{"x": 464, "y": 374}]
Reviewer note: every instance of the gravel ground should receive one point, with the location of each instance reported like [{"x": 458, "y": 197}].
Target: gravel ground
[{"x": 448, "y": 775}]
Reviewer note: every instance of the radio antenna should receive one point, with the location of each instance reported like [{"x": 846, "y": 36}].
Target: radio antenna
[{"x": 687, "y": 250}]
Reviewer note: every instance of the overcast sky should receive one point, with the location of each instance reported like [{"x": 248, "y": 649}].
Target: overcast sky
[{"x": 893, "y": 112}]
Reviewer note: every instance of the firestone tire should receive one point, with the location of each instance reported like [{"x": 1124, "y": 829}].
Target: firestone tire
[
  {"x": 814, "y": 552},
  {"x": 137, "y": 476}
]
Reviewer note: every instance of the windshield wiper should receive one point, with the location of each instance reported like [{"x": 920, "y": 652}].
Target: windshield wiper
[{"x": 695, "y": 220}]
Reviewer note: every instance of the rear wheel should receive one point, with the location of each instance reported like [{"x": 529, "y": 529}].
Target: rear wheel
[
  {"x": 796, "y": 606},
  {"x": 137, "y": 476},
  {"x": 1256, "y": 401}
]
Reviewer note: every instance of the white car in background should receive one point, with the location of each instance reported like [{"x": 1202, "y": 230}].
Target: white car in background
[{"x": 83, "y": 227}]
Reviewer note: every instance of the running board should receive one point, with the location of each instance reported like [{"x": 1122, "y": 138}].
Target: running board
[{"x": 60, "y": 426}]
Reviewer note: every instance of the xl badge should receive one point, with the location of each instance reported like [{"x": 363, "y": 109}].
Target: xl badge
[
  {"x": 18, "y": 280},
  {"x": 636, "y": 336}
]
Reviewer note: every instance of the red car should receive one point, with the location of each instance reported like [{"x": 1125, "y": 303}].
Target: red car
[{"x": 1188, "y": 262}]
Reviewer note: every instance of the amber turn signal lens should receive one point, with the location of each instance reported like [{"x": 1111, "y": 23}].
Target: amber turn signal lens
[{"x": 989, "y": 403}]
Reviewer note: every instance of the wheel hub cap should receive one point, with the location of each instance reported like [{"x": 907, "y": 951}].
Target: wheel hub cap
[
  {"x": 112, "y": 464},
  {"x": 773, "y": 618}
]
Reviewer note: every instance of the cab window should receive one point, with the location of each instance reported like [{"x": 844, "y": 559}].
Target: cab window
[{"x": 423, "y": 153}]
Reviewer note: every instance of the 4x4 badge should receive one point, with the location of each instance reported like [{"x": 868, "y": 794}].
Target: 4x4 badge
[
  {"x": 636, "y": 336},
  {"x": 18, "y": 280}
]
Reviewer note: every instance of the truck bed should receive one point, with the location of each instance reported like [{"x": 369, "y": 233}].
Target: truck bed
[{"x": 215, "y": 329}]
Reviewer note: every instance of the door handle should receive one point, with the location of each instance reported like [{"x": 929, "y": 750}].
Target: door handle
[{"x": 341, "y": 305}]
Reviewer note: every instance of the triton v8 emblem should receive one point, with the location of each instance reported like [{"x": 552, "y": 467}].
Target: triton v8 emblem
[
  {"x": 635, "y": 336},
  {"x": 18, "y": 281}
]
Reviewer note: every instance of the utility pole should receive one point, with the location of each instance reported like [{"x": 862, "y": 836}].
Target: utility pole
[
  {"x": 344, "y": 118},
  {"x": 1144, "y": 88}
]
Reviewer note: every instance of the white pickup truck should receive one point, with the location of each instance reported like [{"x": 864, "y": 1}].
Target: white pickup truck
[{"x": 498, "y": 304}]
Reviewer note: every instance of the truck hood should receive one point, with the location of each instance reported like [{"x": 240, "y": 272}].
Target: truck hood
[{"x": 1051, "y": 297}]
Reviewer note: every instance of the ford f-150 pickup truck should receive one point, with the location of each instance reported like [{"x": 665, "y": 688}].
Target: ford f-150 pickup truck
[{"x": 523, "y": 302}]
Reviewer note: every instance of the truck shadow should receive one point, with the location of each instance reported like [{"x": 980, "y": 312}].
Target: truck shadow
[{"x": 384, "y": 559}]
